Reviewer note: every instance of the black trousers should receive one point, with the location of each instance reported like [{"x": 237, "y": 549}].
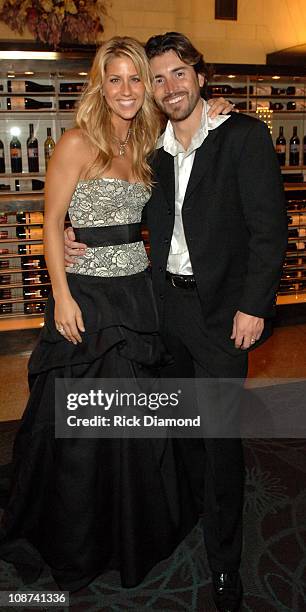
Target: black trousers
[{"x": 184, "y": 333}]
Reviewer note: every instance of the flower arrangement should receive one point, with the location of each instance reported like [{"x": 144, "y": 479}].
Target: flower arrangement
[{"x": 52, "y": 20}]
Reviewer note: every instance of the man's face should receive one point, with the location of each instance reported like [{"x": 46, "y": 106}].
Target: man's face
[{"x": 176, "y": 86}]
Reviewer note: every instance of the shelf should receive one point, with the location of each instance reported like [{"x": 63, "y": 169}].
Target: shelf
[
  {"x": 23, "y": 175},
  {"x": 295, "y": 267},
  {"x": 294, "y": 186},
  {"x": 20, "y": 241},
  {"x": 23, "y": 301},
  {"x": 18, "y": 320},
  {"x": 293, "y": 168},
  {"x": 30, "y": 111},
  {"x": 277, "y": 112},
  {"x": 18, "y": 271},
  {"x": 296, "y": 211},
  {"x": 25, "y": 224},
  {"x": 28, "y": 94},
  {"x": 294, "y": 298},
  {"x": 14, "y": 255},
  {"x": 21, "y": 286}
]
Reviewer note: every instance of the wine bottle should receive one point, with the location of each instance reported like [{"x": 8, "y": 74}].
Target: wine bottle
[
  {"x": 34, "y": 308},
  {"x": 287, "y": 91},
  {"x": 281, "y": 147},
  {"x": 297, "y": 232},
  {"x": 28, "y": 185},
  {"x": 242, "y": 90},
  {"x": 4, "y": 187},
  {"x": 11, "y": 279},
  {"x": 304, "y": 150},
  {"x": 290, "y": 91},
  {"x": 2, "y": 158},
  {"x": 32, "y": 293},
  {"x": 30, "y": 233},
  {"x": 15, "y": 153},
  {"x": 221, "y": 90},
  {"x": 5, "y": 279},
  {"x": 49, "y": 146},
  {"x": 22, "y": 86},
  {"x": 296, "y": 246},
  {"x": 276, "y": 106},
  {"x": 30, "y": 249},
  {"x": 6, "y": 308},
  {"x": 30, "y": 217},
  {"x": 5, "y": 294},
  {"x": 32, "y": 151},
  {"x": 4, "y": 263},
  {"x": 71, "y": 87},
  {"x": 33, "y": 262},
  {"x": 294, "y": 148},
  {"x": 246, "y": 105},
  {"x": 26, "y": 104},
  {"x": 63, "y": 130},
  {"x": 291, "y": 106},
  {"x": 67, "y": 104},
  {"x": 278, "y": 91},
  {"x": 35, "y": 278}
]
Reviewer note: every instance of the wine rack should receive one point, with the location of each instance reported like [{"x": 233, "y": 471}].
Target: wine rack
[
  {"x": 283, "y": 93},
  {"x": 24, "y": 282},
  {"x": 37, "y": 100}
]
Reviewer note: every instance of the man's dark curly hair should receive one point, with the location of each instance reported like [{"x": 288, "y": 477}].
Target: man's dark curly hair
[{"x": 182, "y": 46}]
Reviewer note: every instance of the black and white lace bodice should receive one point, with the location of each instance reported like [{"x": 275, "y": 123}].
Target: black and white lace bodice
[{"x": 106, "y": 202}]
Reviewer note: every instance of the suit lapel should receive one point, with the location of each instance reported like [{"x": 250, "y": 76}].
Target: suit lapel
[
  {"x": 204, "y": 162},
  {"x": 165, "y": 175},
  {"x": 203, "y": 167}
]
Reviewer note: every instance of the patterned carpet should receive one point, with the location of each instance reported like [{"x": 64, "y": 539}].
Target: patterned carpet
[{"x": 274, "y": 559}]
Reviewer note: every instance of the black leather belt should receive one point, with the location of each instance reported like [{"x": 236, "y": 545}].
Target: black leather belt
[
  {"x": 108, "y": 236},
  {"x": 185, "y": 281}
]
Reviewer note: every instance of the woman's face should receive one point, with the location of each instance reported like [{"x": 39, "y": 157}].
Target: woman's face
[{"x": 123, "y": 88}]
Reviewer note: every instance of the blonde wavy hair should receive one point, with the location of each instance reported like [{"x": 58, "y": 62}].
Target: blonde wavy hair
[{"x": 94, "y": 117}]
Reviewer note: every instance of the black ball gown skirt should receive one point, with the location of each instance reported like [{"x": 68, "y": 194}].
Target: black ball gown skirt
[{"x": 85, "y": 506}]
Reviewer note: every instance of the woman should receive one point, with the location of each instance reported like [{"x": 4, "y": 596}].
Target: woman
[{"x": 88, "y": 505}]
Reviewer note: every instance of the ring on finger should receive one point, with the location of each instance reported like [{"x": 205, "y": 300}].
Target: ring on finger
[
  {"x": 253, "y": 340},
  {"x": 60, "y": 329}
]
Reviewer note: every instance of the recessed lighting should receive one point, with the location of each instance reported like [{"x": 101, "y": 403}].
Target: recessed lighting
[
  {"x": 29, "y": 72},
  {"x": 10, "y": 76},
  {"x": 83, "y": 73},
  {"x": 15, "y": 130},
  {"x": 231, "y": 76},
  {"x": 275, "y": 77}
]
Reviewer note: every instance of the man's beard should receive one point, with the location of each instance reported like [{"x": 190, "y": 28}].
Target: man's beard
[{"x": 182, "y": 113}]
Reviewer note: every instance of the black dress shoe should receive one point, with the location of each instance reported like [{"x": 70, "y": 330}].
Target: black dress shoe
[{"x": 227, "y": 591}]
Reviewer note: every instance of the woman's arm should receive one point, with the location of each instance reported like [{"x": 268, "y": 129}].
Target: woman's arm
[{"x": 64, "y": 170}]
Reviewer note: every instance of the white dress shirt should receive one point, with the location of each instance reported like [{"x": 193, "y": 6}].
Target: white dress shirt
[{"x": 179, "y": 260}]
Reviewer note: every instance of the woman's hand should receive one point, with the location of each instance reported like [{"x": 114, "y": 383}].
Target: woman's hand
[
  {"x": 68, "y": 319},
  {"x": 220, "y": 106}
]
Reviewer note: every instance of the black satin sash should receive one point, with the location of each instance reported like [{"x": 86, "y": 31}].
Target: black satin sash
[{"x": 108, "y": 236}]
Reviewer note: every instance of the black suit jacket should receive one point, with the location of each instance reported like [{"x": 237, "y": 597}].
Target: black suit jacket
[{"x": 235, "y": 224}]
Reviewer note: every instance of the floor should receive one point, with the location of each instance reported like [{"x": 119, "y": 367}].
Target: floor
[{"x": 282, "y": 356}]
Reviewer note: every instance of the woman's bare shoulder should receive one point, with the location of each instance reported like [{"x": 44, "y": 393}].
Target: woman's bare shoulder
[
  {"x": 74, "y": 145},
  {"x": 75, "y": 138}
]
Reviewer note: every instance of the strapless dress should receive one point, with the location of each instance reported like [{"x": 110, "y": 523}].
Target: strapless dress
[{"x": 85, "y": 506}]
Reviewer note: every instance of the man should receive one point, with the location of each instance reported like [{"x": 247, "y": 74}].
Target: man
[{"x": 218, "y": 235}]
